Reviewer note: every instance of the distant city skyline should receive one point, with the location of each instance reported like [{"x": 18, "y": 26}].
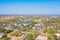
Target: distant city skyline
[{"x": 29, "y": 7}]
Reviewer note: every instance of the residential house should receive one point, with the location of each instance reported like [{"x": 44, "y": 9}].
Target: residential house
[
  {"x": 58, "y": 35},
  {"x": 15, "y": 38},
  {"x": 9, "y": 28},
  {"x": 39, "y": 37},
  {"x": 1, "y": 35},
  {"x": 39, "y": 28},
  {"x": 22, "y": 37}
]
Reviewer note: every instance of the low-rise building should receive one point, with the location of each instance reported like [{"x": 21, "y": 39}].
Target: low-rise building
[
  {"x": 41, "y": 38},
  {"x": 39, "y": 28},
  {"x": 58, "y": 35},
  {"x": 9, "y": 28},
  {"x": 15, "y": 38},
  {"x": 22, "y": 37},
  {"x": 1, "y": 35}
]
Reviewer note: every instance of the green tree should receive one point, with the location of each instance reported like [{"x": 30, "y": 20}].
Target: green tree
[
  {"x": 5, "y": 38},
  {"x": 31, "y": 36}
]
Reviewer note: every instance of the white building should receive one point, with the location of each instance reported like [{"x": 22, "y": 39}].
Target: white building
[
  {"x": 18, "y": 38},
  {"x": 15, "y": 38},
  {"x": 58, "y": 35},
  {"x": 9, "y": 28},
  {"x": 1, "y": 35},
  {"x": 22, "y": 37},
  {"x": 41, "y": 38}
]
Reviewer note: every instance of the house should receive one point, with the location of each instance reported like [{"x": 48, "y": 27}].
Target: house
[
  {"x": 37, "y": 24},
  {"x": 39, "y": 37},
  {"x": 33, "y": 28},
  {"x": 39, "y": 28},
  {"x": 49, "y": 27},
  {"x": 59, "y": 31},
  {"x": 20, "y": 27},
  {"x": 26, "y": 24},
  {"x": 58, "y": 35},
  {"x": 1, "y": 35},
  {"x": 15, "y": 24},
  {"x": 4, "y": 25},
  {"x": 22, "y": 37},
  {"x": 9, "y": 28},
  {"x": 15, "y": 38}
]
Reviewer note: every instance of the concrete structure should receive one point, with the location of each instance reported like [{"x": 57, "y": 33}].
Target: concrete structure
[
  {"x": 9, "y": 28},
  {"x": 1, "y": 35},
  {"x": 18, "y": 38},
  {"x": 14, "y": 38},
  {"x": 39, "y": 37},
  {"x": 58, "y": 35},
  {"x": 22, "y": 37}
]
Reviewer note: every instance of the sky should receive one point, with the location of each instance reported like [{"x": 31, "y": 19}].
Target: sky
[{"x": 29, "y": 7}]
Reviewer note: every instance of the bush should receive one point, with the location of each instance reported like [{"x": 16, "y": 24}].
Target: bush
[
  {"x": 31, "y": 36},
  {"x": 5, "y": 38}
]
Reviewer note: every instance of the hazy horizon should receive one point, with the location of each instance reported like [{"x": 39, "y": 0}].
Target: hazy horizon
[{"x": 29, "y": 7}]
